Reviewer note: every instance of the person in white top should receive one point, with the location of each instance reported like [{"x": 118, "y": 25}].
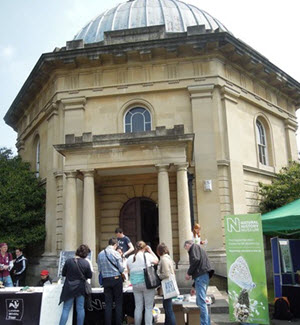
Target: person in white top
[
  {"x": 197, "y": 236},
  {"x": 143, "y": 297}
]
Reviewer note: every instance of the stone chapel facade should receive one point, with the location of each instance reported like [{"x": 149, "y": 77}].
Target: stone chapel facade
[{"x": 153, "y": 124}]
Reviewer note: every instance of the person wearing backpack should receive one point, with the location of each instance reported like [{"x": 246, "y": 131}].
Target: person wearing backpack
[{"x": 282, "y": 309}]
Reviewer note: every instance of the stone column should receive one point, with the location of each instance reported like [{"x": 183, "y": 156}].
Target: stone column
[
  {"x": 89, "y": 218},
  {"x": 164, "y": 207},
  {"x": 70, "y": 222},
  {"x": 184, "y": 217}
]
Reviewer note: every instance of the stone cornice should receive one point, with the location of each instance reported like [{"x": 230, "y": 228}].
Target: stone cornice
[{"x": 229, "y": 46}]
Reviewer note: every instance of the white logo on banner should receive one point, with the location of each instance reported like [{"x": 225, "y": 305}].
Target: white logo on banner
[
  {"x": 14, "y": 309},
  {"x": 233, "y": 224}
]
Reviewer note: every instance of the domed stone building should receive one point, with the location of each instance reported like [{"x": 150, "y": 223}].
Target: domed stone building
[{"x": 152, "y": 118}]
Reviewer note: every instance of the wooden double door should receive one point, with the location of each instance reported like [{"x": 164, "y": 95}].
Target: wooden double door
[{"x": 139, "y": 221}]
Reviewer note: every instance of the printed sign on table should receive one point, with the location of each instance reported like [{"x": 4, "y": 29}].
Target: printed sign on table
[
  {"x": 50, "y": 310},
  {"x": 14, "y": 309},
  {"x": 246, "y": 274}
]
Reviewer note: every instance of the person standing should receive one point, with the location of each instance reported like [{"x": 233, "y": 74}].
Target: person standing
[
  {"x": 164, "y": 270},
  {"x": 197, "y": 236},
  {"x": 19, "y": 269},
  {"x": 143, "y": 297},
  {"x": 110, "y": 265},
  {"x": 76, "y": 270},
  {"x": 6, "y": 264},
  {"x": 124, "y": 242},
  {"x": 201, "y": 271}
]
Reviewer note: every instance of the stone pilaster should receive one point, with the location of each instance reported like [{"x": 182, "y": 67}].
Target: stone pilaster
[
  {"x": 164, "y": 207},
  {"x": 290, "y": 131},
  {"x": 230, "y": 99},
  {"x": 51, "y": 156},
  {"x": 59, "y": 210}
]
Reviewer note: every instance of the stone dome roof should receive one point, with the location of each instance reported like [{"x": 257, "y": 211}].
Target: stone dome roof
[{"x": 175, "y": 15}]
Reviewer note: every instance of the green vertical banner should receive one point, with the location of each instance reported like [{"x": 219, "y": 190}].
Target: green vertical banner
[{"x": 246, "y": 273}]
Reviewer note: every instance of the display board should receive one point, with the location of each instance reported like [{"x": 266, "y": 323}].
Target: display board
[
  {"x": 246, "y": 274},
  {"x": 50, "y": 310},
  {"x": 64, "y": 255}
]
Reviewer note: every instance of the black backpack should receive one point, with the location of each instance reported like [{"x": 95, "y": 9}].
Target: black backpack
[{"x": 282, "y": 309}]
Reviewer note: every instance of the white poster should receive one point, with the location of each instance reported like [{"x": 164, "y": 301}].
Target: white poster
[{"x": 50, "y": 310}]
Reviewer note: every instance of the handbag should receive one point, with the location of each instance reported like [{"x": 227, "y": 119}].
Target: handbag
[
  {"x": 169, "y": 287},
  {"x": 151, "y": 278}
]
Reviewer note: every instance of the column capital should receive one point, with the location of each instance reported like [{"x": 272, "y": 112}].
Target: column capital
[
  {"x": 201, "y": 91},
  {"x": 88, "y": 172},
  {"x": 162, "y": 167},
  {"x": 71, "y": 174},
  {"x": 182, "y": 166},
  {"x": 58, "y": 174}
]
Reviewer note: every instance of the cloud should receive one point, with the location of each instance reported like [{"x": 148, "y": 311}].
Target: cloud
[{"x": 7, "y": 52}]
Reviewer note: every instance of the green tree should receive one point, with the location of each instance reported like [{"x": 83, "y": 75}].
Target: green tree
[
  {"x": 22, "y": 203},
  {"x": 284, "y": 189}
]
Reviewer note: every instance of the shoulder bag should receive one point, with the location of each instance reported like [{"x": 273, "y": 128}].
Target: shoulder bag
[
  {"x": 169, "y": 287},
  {"x": 151, "y": 278}
]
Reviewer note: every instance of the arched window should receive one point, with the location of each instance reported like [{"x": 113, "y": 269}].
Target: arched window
[
  {"x": 262, "y": 142},
  {"x": 37, "y": 158},
  {"x": 138, "y": 119}
]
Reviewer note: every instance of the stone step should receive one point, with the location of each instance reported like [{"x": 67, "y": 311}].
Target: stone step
[{"x": 221, "y": 319}]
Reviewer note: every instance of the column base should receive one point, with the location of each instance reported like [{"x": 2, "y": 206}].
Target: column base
[
  {"x": 183, "y": 263},
  {"x": 180, "y": 276}
]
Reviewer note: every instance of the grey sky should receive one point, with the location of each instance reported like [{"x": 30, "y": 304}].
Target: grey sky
[{"x": 32, "y": 27}]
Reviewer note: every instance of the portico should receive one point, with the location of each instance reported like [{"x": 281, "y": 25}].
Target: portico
[{"x": 92, "y": 165}]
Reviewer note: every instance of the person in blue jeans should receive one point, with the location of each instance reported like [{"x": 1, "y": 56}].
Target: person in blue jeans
[
  {"x": 164, "y": 270},
  {"x": 201, "y": 271},
  {"x": 76, "y": 270}
]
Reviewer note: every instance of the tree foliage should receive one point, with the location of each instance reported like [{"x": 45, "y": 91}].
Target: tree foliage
[
  {"x": 22, "y": 203},
  {"x": 284, "y": 189}
]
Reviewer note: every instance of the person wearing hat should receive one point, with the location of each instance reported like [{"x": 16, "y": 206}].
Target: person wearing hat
[
  {"x": 45, "y": 278},
  {"x": 6, "y": 264}
]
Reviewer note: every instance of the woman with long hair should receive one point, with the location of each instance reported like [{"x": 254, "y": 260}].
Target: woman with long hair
[
  {"x": 164, "y": 270},
  {"x": 76, "y": 270},
  {"x": 144, "y": 298},
  {"x": 197, "y": 235}
]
